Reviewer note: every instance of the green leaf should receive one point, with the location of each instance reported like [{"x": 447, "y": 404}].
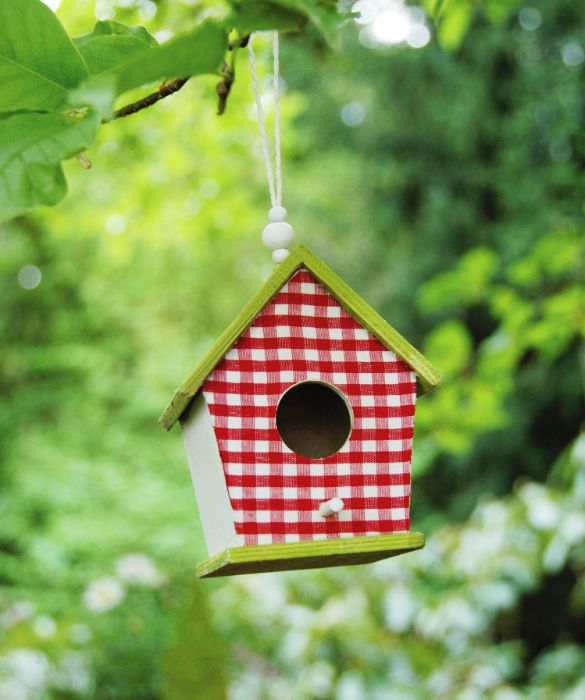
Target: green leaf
[
  {"x": 449, "y": 346},
  {"x": 323, "y": 15},
  {"x": 111, "y": 44},
  {"x": 38, "y": 61},
  {"x": 454, "y": 21},
  {"x": 287, "y": 15},
  {"x": 194, "y": 664},
  {"x": 32, "y": 146},
  {"x": 194, "y": 53},
  {"x": 249, "y": 17},
  {"x": 498, "y": 10}
]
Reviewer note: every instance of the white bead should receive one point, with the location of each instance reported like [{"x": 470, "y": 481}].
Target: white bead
[
  {"x": 278, "y": 234},
  {"x": 331, "y": 507},
  {"x": 279, "y": 255},
  {"x": 277, "y": 214}
]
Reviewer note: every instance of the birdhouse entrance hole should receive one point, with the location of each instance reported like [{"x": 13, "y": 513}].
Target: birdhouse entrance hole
[{"x": 314, "y": 419}]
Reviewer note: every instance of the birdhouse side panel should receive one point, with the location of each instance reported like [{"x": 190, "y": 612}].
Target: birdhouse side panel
[{"x": 302, "y": 335}]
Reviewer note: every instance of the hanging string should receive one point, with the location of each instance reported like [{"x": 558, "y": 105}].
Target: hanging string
[
  {"x": 276, "y": 91},
  {"x": 278, "y": 234}
]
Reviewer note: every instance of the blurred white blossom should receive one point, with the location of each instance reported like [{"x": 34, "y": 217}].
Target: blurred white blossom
[
  {"x": 104, "y": 594},
  {"x": 542, "y": 512},
  {"x": 140, "y": 570},
  {"x": 485, "y": 676},
  {"x": 507, "y": 693},
  {"x": 317, "y": 679},
  {"x": 25, "y": 671},
  {"x": 572, "y": 526},
  {"x": 44, "y": 627},
  {"x": 351, "y": 687},
  {"x": 400, "y": 607},
  {"x": 16, "y": 613},
  {"x": 72, "y": 673}
]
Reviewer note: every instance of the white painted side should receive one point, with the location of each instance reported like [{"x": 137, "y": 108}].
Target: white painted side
[{"x": 215, "y": 510}]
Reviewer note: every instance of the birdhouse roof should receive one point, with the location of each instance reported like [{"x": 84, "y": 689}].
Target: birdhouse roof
[{"x": 427, "y": 376}]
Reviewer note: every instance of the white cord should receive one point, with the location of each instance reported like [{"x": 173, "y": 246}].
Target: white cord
[
  {"x": 274, "y": 184},
  {"x": 276, "y": 89},
  {"x": 278, "y": 235},
  {"x": 261, "y": 122}
]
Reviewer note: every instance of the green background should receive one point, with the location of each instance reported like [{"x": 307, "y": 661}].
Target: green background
[{"x": 454, "y": 207}]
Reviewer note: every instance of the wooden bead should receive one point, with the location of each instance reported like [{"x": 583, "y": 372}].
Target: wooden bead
[
  {"x": 279, "y": 255},
  {"x": 278, "y": 234},
  {"x": 277, "y": 214}
]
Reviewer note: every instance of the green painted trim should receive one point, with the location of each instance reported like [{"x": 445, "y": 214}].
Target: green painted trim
[
  {"x": 427, "y": 375},
  {"x": 255, "y": 559},
  {"x": 300, "y": 256}
]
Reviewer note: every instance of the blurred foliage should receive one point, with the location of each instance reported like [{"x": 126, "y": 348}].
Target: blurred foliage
[
  {"x": 447, "y": 189},
  {"x": 454, "y": 17}
]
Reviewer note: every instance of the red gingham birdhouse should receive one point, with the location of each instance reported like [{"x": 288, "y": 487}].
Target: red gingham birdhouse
[{"x": 298, "y": 426}]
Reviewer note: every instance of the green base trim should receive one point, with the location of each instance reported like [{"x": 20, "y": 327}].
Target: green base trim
[{"x": 255, "y": 559}]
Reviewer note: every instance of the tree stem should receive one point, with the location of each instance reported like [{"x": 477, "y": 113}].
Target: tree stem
[{"x": 164, "y": 90}]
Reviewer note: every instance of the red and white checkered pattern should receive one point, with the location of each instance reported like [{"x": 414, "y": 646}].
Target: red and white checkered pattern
[{"x": 305, "y": 334}]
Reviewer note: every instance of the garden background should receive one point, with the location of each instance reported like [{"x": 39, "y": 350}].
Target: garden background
[{"x": 443, "y": 180}]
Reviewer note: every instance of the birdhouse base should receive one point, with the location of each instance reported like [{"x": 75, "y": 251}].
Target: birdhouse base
[{"x": 255, "y": 559}]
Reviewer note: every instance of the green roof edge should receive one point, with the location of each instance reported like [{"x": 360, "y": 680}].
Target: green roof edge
[{"x": 300, "y": 256}]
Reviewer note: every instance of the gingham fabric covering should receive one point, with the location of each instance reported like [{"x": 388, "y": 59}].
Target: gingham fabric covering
[{"x": 305, "y": 334}]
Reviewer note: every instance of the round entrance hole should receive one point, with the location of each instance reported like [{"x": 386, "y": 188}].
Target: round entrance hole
[{"x": 314, "y": 419}]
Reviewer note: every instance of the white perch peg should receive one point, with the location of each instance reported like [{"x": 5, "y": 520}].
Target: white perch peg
[{"x": 331, "y": 507}]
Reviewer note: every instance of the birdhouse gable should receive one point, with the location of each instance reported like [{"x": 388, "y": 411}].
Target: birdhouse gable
[{"x": 318, "y": 287}]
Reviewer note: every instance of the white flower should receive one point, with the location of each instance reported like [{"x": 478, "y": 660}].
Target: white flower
[
  {"x": 317, "y": 679},
  {"x": 577, "y": 691},
  {"x": 485, "y": 677},
  {"x": 17, "y": 613},
  {"x": 351, "y": 687},
  {"x": 453, "y": 621},
  {"x": 400, "y": 607},
  {"x": 44, "y": 627},
  {"x": 578, "y": 451},
  {"x": 12, "y": 690},
  {"x": 507, "y": 693},
  {"x": 27, "y": 668},
  {"x": 555, "y": 555},
  {"x": 542, "y": 512},
  {"x": 294, "y": 644},
  {"x": 140, "y": 570},
  {"x": 104, "y": 594},
  {"x": 572, "y": 527},
  {"x": 440, "y": 681},
  {"x": 72, "y": 673}
]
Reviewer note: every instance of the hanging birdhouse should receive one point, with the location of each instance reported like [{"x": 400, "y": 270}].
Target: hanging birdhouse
[{"x": 298, "y": 425}]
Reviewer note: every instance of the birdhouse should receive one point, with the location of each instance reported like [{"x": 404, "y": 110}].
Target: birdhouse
[{"x": 298, "y": 425}]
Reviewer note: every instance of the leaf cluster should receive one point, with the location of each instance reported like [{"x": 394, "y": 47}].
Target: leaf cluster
[{"x": 57, "y": 90}]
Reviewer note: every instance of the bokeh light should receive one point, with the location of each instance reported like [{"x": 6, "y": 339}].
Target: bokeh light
[
  {"x": 115, "y": 224},
  {"x": 573, "y": 54},
  {"x": 29, "y": 277},
  {"x": 353, "y": 113},
  {"x": 391, "y": 23},
  {"x": 529, "y": 18},
  {"x": 53, "y": 4}
]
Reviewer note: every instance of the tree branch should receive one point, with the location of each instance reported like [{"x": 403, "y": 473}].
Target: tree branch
[
  {"x": 223, "y": 88},
  {"x": 164, "y": 90}
]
